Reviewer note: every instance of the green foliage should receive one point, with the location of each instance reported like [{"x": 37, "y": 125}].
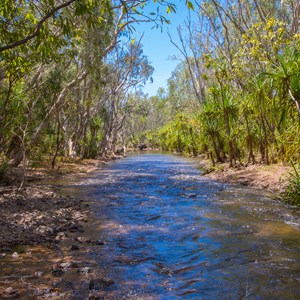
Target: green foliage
[
  {"x": 179, "y": 135},
  {"x": 66, "y": 82},
  {"x": 65, "y": 75},
  {"x": 292, "y": 193}
]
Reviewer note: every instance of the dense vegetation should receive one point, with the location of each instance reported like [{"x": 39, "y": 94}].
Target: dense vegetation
[
  {"x": 235, "y": 94},
  {"x": 71, "y": 73}
]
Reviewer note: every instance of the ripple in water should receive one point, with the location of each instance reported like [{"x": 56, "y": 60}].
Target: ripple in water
[{"x": 171, "y": 234}]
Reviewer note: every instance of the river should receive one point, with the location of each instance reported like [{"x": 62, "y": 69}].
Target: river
[{"x": 170, "y": 233}]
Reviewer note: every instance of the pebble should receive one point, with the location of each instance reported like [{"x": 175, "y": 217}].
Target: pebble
[
  {"x": 38, "y": 274},
  {"x": 85, "y": 270},
  {"x": 15, "y": 255},
  {"x": 10, "y": 293},
  {"x": 80, "y": 239},
  {"x": 68, "y": 265},
  {"x": 61, "y": 236}
]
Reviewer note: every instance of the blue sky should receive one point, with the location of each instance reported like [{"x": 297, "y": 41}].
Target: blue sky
[{"x": 158, "y": 48}]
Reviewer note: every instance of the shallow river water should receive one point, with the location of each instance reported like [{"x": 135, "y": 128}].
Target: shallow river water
[{"x": 170, "y": 233}]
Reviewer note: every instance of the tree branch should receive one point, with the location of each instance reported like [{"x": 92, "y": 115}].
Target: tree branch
[{"x": 37, "y": 29}]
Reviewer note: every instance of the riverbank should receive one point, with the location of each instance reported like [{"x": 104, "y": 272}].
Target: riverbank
[
  {"x": 37, "y": 213},
  {"x": 38, "y": 221},
  {"x": 274, "y": 177}
]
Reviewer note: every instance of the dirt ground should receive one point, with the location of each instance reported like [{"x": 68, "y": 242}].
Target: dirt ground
[
  {"x": 39, "y": 215},
  {"x": 36, "y": 213},
  {"x": 271, "y": 177}
]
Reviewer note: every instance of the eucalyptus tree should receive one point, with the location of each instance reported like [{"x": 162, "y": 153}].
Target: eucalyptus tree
[
  {"x": 39, "y": 37},
  {"x": 128, "y": 69},
  {"x": 180, "y": 91},
  {"x": 193, "y": 47}
]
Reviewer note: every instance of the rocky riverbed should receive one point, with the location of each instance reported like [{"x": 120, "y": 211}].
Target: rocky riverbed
[
  {"x": 37, "y": 224},
  {"x": 36, "y": 215}
]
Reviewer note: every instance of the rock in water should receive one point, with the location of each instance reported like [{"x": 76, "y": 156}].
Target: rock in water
[
  {"x": 143, "y": 147},
  {"x": 38, "y": 274},
  {"x": 64, "y": 285},
  {"x": 57, "y": 272}
]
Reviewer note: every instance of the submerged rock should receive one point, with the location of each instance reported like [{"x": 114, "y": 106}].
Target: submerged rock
[
  {"x": 64, "y": 285},
  {"x": 57, "y": 272},
  {"x": 75, "y": 227},
  {"x": 96, "y": 297},
  {"x": 95, "y": 242},
  {"x": 6, "y": 249},
  {"x": 80, "y": 239}
]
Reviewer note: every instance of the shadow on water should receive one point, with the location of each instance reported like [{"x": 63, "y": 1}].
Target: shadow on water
[{"x": 171, "y": 234}]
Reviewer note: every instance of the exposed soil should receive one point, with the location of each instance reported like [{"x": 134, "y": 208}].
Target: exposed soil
[
  {"x": 271, "y": 177},
  {"x": 37, "y": 213}
]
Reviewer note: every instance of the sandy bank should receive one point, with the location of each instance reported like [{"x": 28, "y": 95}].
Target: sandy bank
[{"x": 271, "y": 177}]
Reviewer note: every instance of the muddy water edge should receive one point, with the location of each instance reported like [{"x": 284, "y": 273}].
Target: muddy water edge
[{"x": 160, "y": 230}]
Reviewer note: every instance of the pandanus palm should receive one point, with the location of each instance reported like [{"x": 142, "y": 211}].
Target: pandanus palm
[
  {"x": 211, "y": 126},
  {"x": 258, "y": 92},
  {"x": 286, "y": 73},
  {"x": 230, "y": 114},
  {"x": 248, "y": 118}
]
